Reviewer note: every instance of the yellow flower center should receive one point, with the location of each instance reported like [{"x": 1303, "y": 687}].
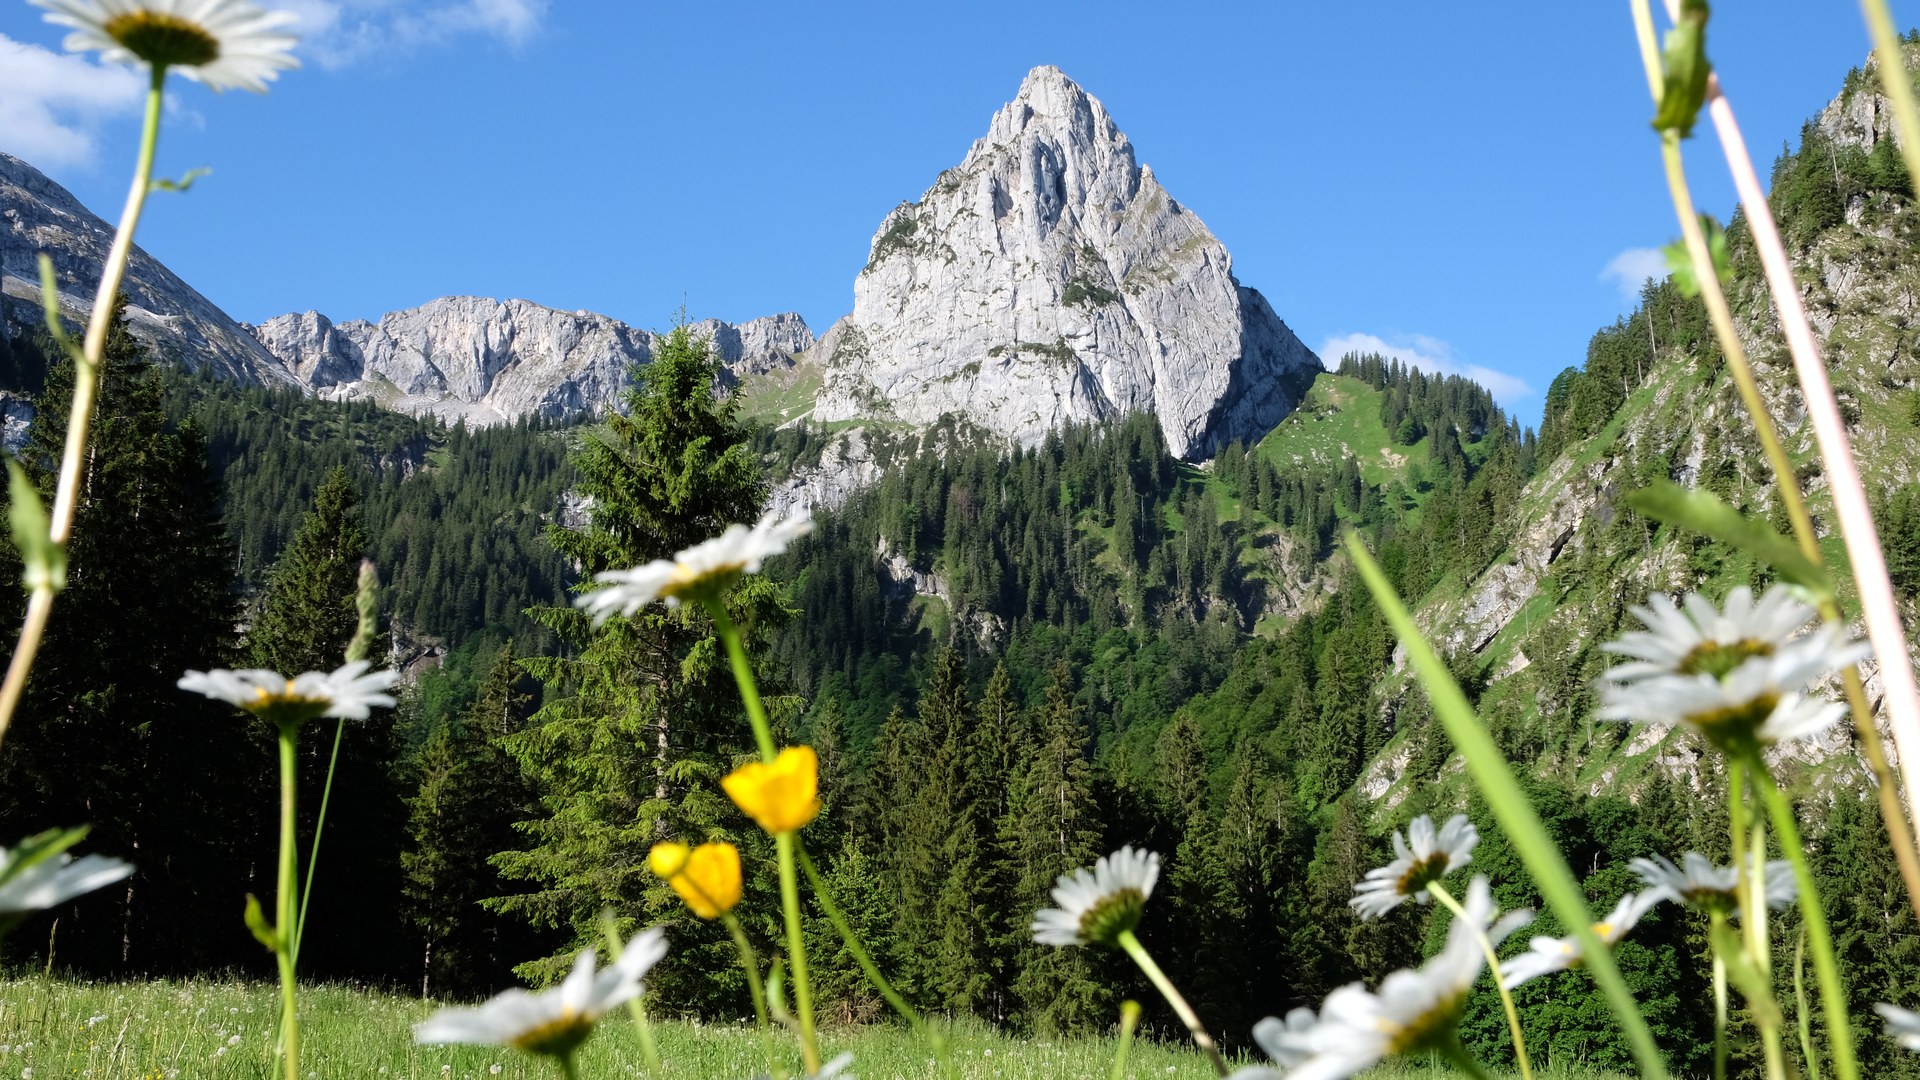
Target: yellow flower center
[
  {"x": 1717, "y": 660},
  {"x": 163, "y": 40},
  {"x": 1423, "y": 873},
  {"x": 691, "y": 584},
  {"x": 557, "y": 1037},
  {"x": 1427, "y": 1031},
  {"x": 285, "y": 706},
  {"x": 1111, "y": 914},
  {"x": 1735, "y": 726}
]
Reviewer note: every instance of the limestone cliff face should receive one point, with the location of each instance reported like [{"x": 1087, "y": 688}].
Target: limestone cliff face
[
  {"x": 1047, "y": 278},
  {"x": 38, "y": 215},
  {"x": 491, "y": 361}
]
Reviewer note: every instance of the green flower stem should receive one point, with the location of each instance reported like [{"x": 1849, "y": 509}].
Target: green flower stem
[
  {"x": 789, "y": 879},
  {"x": 1514, "y": 812},
  {"x": 568, "y": 1069},
  {"x": 1719, "y": 921},
  {"x": 1903, "y": 704},
  {"x": 1129, "y": 1019},
  {"x": 86, "y": 370},
  {"x": 285, "y": 917},
  {"x": 1493, "y": 963},
  {"x": 1804, "y": 1021},
  {"x": 1826, "y": 972},
  {"x": 751, "y": 963},
  {"x": 797, "y": 951},
  {"x": 1750, "y": 891},
  {"x": 1462, "y": 1060},
  {"x": 1133, "y": 948},
  {"x": 907, "y": 1012},
  {"x": 743, "y": 675},
  {"x": 642, "y": 1029},
  {"x": 313, "y": 853}
]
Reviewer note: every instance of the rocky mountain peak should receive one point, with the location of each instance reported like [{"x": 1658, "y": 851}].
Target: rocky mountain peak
[{"x": 1049, "y": 278}]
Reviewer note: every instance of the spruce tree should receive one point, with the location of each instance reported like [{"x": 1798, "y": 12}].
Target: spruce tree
[
  {"x": 946, "y": 849},
  {"x": 468, "y": 796},
  {"x": 1057, "y": 831},
  {"x": 642, "y": 714},
  {"x": 1000, "y": 747},
  {"x": 103, "y": 734},
  {"x": 309, "y": 615},
  {"x": 353, "y": 922}
]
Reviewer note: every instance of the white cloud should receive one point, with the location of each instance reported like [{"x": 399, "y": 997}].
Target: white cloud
[
  {"x": 52, "y": 104},
  {"x": 1430, "y": 355},
  {"x": 337, "y": 33},
  {"x": 1631, "y": 268}
]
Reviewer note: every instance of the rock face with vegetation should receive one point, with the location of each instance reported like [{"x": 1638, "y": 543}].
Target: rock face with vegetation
[{"x": 1050, "y": 278}]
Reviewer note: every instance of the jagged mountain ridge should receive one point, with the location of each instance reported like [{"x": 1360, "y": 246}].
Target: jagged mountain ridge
[
  {"x": 492, "y": 361},
  {"x": 484, "y": 360},
  {"x": 1048, "y": 277}
]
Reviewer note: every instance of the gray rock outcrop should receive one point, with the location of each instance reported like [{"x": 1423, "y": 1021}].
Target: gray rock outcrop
[
  {"x": 38, "y": 215},
  {"x": 492, "y": 361},
  {"x": 1049, "y": 278}
]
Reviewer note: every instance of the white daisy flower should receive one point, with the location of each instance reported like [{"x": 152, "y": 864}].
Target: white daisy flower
[
  {"x": 1097, "y": 907},
  {"x": 1549, "y": 955},
  {"x": 345, "y": 693},
  {"x": 1428, "y": 858},
  {"x": 1903, "y": 1027},
  {"x": 38, "y": 873},
  {"x": 222, "y": 43},
  {"x": 1704, "y": 885},
  {"x": 1736, "y": 676},
  {"x": 557, "y": 1021},
  {"x": 1284, "y": 1042},
  {"x": 703, "y": 570},
  {"x": 1414, "y": 1011}
]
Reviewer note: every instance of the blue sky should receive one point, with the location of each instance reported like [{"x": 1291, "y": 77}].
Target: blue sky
[{"x": 1450, "y": 180}]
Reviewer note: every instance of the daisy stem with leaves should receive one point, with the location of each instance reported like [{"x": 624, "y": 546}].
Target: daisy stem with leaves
[
  {"x": 935, "y": 1040},
  {"x": 1816, "y": 392},
  {"x": 1826, "y": 971},
  {"x": 643, "y": 1031},
  {"x": 1440, "y": 893},
  {"x": 1718, "y": 921},
  {"x": 1132, "y": 947},
  {"x": 1750, "y": 893},
  {"x": 1510, "y": 806},
  {"x": 784, "y": 840},
  {"x": 86, "y": 368}
]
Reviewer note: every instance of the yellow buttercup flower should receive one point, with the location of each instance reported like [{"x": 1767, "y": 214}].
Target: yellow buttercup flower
[
  {"x": 782, "y": 796},
  {"x": 706, "y": 877}
]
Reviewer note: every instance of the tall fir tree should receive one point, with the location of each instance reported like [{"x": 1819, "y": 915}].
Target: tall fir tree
[
  {"x": 642, "y": 714},
  {"x": 999, "y": 748},
  {"x": 305, "y": 622},
  {"x": 1057, "y": 830},
  {"x": 309, "y": 614},
  {"x": 469, "y": 794},
  {"x": 103, "y": 735}
]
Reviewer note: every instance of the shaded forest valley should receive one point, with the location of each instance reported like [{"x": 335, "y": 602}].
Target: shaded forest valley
[{"x": 1010, "y": 661}]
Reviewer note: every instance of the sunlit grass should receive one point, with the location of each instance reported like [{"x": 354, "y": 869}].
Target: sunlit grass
[{"x": 221, "y": 1029}]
